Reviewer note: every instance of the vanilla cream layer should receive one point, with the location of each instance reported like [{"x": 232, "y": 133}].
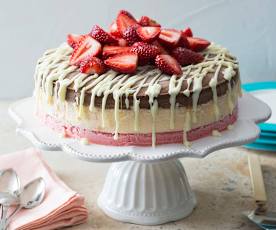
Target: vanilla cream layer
[{"x": 104, "y": 120}]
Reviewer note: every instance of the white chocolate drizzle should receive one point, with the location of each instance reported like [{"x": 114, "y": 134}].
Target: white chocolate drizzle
[{"x": 54, "y": 75}]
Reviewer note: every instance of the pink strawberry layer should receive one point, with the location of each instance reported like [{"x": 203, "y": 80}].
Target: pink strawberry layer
[{"x": 134, "y": 138}]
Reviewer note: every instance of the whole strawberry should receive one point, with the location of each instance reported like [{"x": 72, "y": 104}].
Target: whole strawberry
[{"x": 186, "y": 57}]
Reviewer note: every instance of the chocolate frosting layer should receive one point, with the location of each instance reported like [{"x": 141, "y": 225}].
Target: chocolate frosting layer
[
  {"x": 163, "y": 99},
  {"x": 199, "y": 83}
]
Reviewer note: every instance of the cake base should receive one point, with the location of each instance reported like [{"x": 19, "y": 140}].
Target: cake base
[
  {"x": 137, "y": 139},
  {"x": 147, "y": 193}
]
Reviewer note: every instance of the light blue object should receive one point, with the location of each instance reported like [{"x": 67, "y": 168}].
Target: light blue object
[
  {"x": 249, "y": 87},
  {"x": 266, "y": 141},
  {"x": 268, "y": 134},
  {"x": 264, "y": 147}
]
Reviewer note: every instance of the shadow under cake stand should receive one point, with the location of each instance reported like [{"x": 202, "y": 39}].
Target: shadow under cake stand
[{"x": 145, "y": 185}]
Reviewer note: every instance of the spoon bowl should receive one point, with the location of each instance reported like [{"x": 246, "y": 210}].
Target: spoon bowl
[
  {"x": 9, "y": 191},
  {"x": 33, "y": 193},
  {"x": 9, "y": 182},
  {"x": 31, "y": 196}
]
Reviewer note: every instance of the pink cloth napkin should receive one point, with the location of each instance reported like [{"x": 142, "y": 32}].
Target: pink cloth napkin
[{"x": 61, "y": 206}]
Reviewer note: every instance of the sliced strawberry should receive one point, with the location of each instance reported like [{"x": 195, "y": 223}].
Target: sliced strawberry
[
  {"x": 183, "y": 41},
  {"x": 122, "y": 42},
  {"x": 188, "y": 32},
  {"x": 161, "y": 48},
  {"x": 148, "y": 33},
  {"x": 186, "y": 57},
  {"x": 145, "y": 51},
  {"x": 100, "y": 35},
  {"x": 74, "y": 40},
  {"x": 125, "y": 20},
  {"x": 123, "y": 63},
  {"x": 169, "y": 37},
  {"x": 146, "y": 21},
  {"x": 88, "y": 48},
  {"x": 131, "y": 35},
  {"x": 92, "y": 65},
  {"x": 113, "y": 30},
  {"x": 168, "y": 64},
  {"x": 197, "y": 44},
  {"x": 112, "y": 50}
]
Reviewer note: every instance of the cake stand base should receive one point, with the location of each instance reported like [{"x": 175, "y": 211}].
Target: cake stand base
[{"x": 147, "y": 193}]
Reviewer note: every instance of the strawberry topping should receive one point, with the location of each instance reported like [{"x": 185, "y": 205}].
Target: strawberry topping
[
  {"x": 168, "y": 64},
  {"x": 92, "y": 65},
  {"x": 183, "y": 42},
  {"x": 88, "y": 48},
  {"x": 188, "y": 32},
  {"x": 197, "y": 44},
  {"x": 145, "y": 50},
  {"x": 113, "y": 30},
  {"x": 146, "y": 21},
  {"x": 123, "y": 63},
  {"x": 101, "y": 36},
  {"x": 112, "y": 50},
  {"x": 186, "y": 57},
  {"x": 130, "y": 35},
  {"x": 148, "y": 33},
  {"x": 74, "y": 40},
  {"x": 130, "y": 43},
  {"x": 162, "y": 49},
  {"x": 169, "y": 37},
  {"x": 125, "y": 20}
]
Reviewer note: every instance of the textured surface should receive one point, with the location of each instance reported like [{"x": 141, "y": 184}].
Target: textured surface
[{"x": 221, "y": 183}]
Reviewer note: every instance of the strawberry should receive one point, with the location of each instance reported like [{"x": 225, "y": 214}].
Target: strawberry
[
  {"x": 74, "y": 40},
  {"x": 148, "y": 33},
  {"x": 168, "y": 64},
  {"x": 88, "y": 48},
  {"x": 146, "y": 21},
  {"x": 130, "y": 35},
  {"x": 113, "y": 30},
  {"x": 125, "y": 20},
  {"x": 145, "y": 51},
  {"x": 188, "y": 32},
  {"x": 112, "y": 50},
  {"x": 161, "y": 48},
  {"x": 186, "y": 57},
  {"x": 122, "y": 42},
  {"x": 169, "y": 37},
  {"x": 100, "y": 35},
  {"x": 197, "y": 44},
  {"x": 123, "y": 63},
  {"x": 92, "y": 65},
  {"x": 183, "y": 42}
]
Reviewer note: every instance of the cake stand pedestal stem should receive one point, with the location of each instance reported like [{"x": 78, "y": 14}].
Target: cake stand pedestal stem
[{"x": 147, "y": 193}]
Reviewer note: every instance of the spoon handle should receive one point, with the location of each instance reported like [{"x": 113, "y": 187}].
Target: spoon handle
[
  {"x": 3, "y": 217},
  {"x": 9, "y": 218}
]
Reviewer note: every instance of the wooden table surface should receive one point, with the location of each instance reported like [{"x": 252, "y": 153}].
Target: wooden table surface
[{"x": 221, "y": 182}]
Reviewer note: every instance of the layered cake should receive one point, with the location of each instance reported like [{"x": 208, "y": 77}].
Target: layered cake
[{"x": 138, "y": 84}]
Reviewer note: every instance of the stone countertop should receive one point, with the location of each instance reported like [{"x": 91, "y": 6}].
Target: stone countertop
[{"x": 221, "y": 182}]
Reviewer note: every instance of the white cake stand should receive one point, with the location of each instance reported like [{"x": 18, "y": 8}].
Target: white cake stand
[{"x": 147, "y": 185}]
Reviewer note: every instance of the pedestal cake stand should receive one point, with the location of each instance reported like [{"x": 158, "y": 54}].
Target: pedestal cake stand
[{"x": 146, "y": 185}]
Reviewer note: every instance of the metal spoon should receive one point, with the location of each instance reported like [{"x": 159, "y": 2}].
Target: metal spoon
[
  {"x": 31, "y": 196},
  {"x": 9, "y": 190}
]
